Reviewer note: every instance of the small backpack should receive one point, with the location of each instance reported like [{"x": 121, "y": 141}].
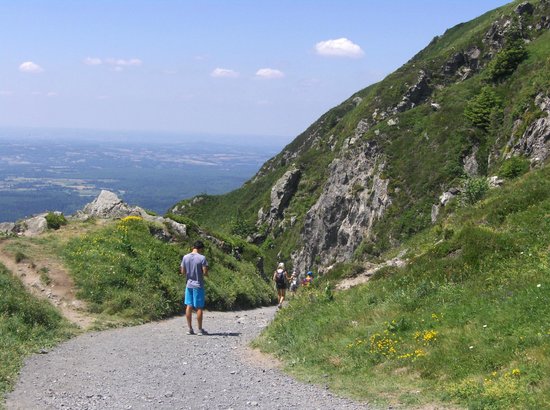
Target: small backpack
[{"x": 280, "y": 277}]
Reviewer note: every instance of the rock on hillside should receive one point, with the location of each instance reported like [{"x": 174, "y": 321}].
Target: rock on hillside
[
  {"x": 109, "y": 206},
  {"x": 106, "y": 206},
  {"x": 354, "y": 197}
]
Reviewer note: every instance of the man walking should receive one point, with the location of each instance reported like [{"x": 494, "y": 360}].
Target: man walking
[{"x": 195, "y": 266}]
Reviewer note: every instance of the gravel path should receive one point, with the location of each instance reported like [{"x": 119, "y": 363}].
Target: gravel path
[{"x": 158, "y": 366}]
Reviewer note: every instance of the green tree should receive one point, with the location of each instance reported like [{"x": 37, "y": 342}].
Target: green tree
[{"x": 480, "y": 109}]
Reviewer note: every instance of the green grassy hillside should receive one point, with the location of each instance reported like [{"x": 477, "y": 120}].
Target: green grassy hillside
[
  {"x": 425, "y": 147},
  {"x": 466, "y": 322},
  {"x": 124, "y": 270}
]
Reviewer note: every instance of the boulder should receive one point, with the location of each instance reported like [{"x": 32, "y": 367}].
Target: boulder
[
  {"x": 7, "y": 228},
  {"x": 32, "y": 226},
  {"x": 416, "y": 94},
  {"x": 524, "y": 8},
  {"x": 109, "y": 205}
]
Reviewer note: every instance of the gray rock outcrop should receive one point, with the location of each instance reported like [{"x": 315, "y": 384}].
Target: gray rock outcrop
[
  {"x": 416, "y": 94},
  {"x": 7, "y": 228},
  {"x": 108, "y": 205},
  {"x": 281, "y": 193},
  {"x": 463, "y": 64},
  {"x": 32, "y": 226},
  {"x": 470, "y": 163},
  {"x": 524, "y": 8},
  {"x": 534, "y": 143},
  {"x": 354, "y": 197}
]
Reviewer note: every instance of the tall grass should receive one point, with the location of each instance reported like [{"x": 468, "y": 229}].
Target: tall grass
[
  {"x": 26, "y": 326},
  {"x": 466, "y": 322},
  {"x": 123, "y": 270}
]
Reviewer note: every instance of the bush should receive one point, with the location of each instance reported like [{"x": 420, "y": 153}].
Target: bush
[
  {"x": 482, "y": 107},
  {"x": 55, "y": 220},
  {"x": 473, "y": 189},
  {"x": 20, "y": 257},
  {"x": 514, "y": 167},
  {"x": 506, "y": 62}
]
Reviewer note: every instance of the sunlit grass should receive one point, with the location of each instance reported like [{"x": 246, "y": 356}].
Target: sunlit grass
[{"x": 466, "y": 322}]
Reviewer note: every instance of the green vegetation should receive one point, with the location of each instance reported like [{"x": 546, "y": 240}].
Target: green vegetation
[
  {"x": 55, "y": 221},
  {"x": 509, "y": 58},
  {"x": 123, "y": 270},
  {"x": 465, "y": 322},
  {"x": 480, "y": 109},
  {"x": 27, "y": 325},
  {"x": 473, "y": 190},
  {"x": 514, "y": 167}
]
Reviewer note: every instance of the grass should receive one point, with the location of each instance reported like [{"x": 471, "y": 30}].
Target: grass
[
  {"x": 466, "y": 323},
  {"x": 27, "y": 325},
  {"x": 123, "y": 270}
]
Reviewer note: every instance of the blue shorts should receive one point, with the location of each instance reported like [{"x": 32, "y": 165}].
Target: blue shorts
[{"x": 194, "y": 297}]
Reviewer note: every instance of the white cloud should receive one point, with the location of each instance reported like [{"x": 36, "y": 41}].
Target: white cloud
[
  {"x": 6, "y": 93},
  {"x": 92, "y": 61},
  {"x": 224, "y": 73},
  {"x": 340, "y": 47},
  {"x": 269, "y": 73},
  {"x": 51, "y": 94},
  {"x": 120, "y": 62},
  {"x": 30, "y": 67}
]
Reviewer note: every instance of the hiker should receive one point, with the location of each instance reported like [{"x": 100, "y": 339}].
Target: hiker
[
  {"x": 309, "y": 279},
  {"x": 280, "y": 277},
  {"x": 195, "y": 266},
  {"x": 294, "y": 281}
]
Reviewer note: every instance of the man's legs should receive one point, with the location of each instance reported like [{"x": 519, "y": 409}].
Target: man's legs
[
  {"x": 199, "y": 318},
  {"x": 188, "y": 316}
]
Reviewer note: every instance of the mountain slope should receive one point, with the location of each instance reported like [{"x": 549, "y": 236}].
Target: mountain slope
[
  {"x": 464, "y": 323},
  {"x": 369, "y": 173}
]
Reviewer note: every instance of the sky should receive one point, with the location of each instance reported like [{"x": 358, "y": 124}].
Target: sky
[{"x": 257, "y": 68}]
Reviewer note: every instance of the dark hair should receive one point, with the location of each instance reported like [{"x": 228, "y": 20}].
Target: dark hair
[{"x": 198, "y": 245}]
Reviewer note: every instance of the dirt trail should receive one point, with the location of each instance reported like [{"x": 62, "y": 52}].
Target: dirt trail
[
  {"x": 60, "y": 291},
  {"x": 158, "y": 366}
]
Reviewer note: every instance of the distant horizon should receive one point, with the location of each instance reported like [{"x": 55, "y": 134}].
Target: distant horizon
[{"x": 125, "y": 135}]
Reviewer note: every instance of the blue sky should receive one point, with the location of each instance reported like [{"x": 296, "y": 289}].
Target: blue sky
[{"x": 239, "y": 67}]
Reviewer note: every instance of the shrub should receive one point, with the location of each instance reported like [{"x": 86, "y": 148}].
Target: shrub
[
  {"x": 506, "y": 62},
  {"x": 514, "y": 167},
  {"x": 20, "y": 256},
  {"x": 473, "y": 189},
  {"x": 55, "y": 220},
  {"x": 482, "y": 107}
]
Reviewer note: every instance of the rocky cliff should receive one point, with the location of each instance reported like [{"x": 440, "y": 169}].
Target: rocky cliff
[{"x": 374, "y": 168}]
